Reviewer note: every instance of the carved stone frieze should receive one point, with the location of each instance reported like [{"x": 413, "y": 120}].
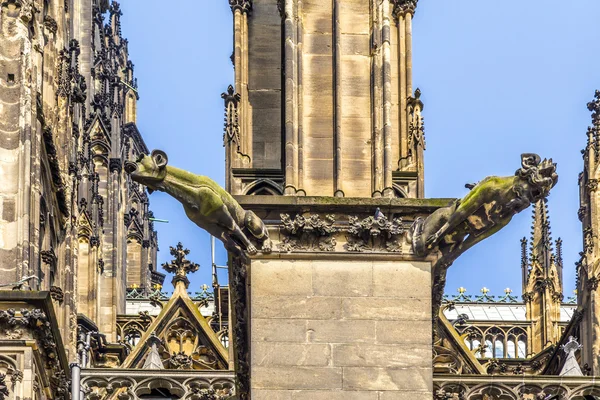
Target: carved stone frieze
[
  {"x": 592, "y": 185},
  {"x": 308, "y": 233},
  {"x": 375, "y": 234}
]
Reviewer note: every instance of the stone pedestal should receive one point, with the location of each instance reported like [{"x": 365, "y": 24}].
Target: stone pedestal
[
  {"x": 355, "y": 328},
  {"x": 337, "y": 313}
]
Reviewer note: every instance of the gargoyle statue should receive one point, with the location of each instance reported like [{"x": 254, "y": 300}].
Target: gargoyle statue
[
  {"x": 206, "y": 203},
  {"x": 487, "y": 208}
]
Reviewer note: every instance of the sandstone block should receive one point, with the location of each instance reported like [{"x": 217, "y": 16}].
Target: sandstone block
[
  {"x": 322, "y": 331},
  {"x": 342, "y": 279},
  {"x": 293, "y": 278},
  {"x": 290, "y": 354},
  {"x": 314, "y": 378},
  {"x": 279, "y": 330},
  {"x": 260, "y": 394},
  {"x": 405, "y": 395},
  {"x": 373, "y": 355},
  {"x": 333, "y": 395},
  {"x": 402, "y": 279},
  {"x": 414, "y": 332},
  {"x": 409, "y": 379},
  {"x": 295, "y": 307},
  {"x": 379, "y": 308}
]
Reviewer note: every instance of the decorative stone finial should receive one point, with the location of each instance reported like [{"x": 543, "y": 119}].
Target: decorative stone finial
[
  {"x": 180, "y": 266},
  {"x": 571, "y": 367}
]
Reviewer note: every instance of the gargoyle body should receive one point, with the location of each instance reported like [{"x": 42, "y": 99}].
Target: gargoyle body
[
  {"x": 206, "y": 203},
  {"x": 487, "y": 208}
]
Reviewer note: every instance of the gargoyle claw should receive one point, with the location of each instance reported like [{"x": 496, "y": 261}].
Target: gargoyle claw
[{"x": 251, "y": 249}]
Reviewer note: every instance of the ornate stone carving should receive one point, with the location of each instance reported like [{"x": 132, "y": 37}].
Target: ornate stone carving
[
  {"x": 232, "y": 128},
  {"x": 3, "y": 387},
  {"x": 238, "y": 275},
  {"x": 180, "y": 266},
  {"x": 403, "y": 7},
  {"x": 375, "y": 234},
  {"x": 581, "y": 213},
  {"x": 50, "y": 24},
  {"x": 15, "y": 376},
  {"x": 49, "y": 257},
  {"x": 244, "y": 6},
  {"x": 180, "y": 361},
  {"x": 57, "y": 294},
  {"x": 588, "y": 240},
  {"x": 593, "y": 282},
  {"x": 307, "y": 233},
  {"x": 115, "y": 165},
  {"x": 592, "y": 185}
]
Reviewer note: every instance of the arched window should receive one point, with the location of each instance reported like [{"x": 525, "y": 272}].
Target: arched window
[
  {"x": 498, "y": 349},
  {"x": 522, "y": 348},
  {"x": 510, "y": 349}
]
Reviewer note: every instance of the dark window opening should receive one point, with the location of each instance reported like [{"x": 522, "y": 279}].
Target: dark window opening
[{"x": 11, "y": 78}]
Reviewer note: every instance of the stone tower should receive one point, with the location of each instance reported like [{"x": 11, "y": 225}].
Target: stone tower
[
  {"x": 542, "y": 282},
  {"x": 70, "y": 219},
  {"x": 322, "y": 117},
  {"x": 588, "y": 268},
  {"x": 323, "y": 101}
]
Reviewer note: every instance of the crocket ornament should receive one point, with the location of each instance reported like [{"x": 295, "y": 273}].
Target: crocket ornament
[{"x": 206, "y": 203}]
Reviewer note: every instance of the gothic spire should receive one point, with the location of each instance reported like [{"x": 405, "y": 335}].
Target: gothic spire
[{"x": 541, "y": 251}]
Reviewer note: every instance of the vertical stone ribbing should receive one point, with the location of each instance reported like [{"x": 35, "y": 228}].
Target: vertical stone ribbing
[
  {"x": 376, "y": 99},
  {"x": 387, "y": 102},
  {"x": 291, "y": 97},
  {"x": 300, "y": 97},
  {"x": 403, "y": 92},
  {"x": 337, "y": 99}
]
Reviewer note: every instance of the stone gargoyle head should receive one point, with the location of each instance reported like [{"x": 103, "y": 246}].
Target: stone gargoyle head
[
  {"x": 535, "y": 178},
  {"x": 150, "y": 171}
]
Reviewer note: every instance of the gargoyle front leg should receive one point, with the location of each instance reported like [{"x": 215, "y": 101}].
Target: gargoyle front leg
[{"x": 233, "y": 230}]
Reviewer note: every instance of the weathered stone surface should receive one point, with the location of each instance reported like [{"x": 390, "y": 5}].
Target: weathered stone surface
[
  {"x": 379, "y": 308},
  {"x": 374, "y": 355},
  {"x": 402, "y": 279},
  {"x": 313, "y": 378},
  {"x": 361, "y": 378},
  {"x": 259, "y": 394},
  {"x": 290, "y": 354},
  {"x": 413, "y": 332},
  {"x": 347, "y": 279},
  {"x": 293, "y": 278},
  {"x": 295, "y": 307},
  {"x": 333, "y": 395},
  {"x": 340, "y": 331},
  {"x": 405, "y": 395},
  {"x": 279, "y": 330}
]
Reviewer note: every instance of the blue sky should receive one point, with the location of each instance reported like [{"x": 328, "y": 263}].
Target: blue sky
[{"x": 497, "y": 79}]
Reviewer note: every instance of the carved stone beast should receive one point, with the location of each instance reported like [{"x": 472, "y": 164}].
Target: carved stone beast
[{"x": 206, "y": 203}]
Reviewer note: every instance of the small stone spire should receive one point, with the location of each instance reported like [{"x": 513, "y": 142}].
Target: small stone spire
[
  {"x": 524, "y": 263},
  {"x": 571, "y": 367},
  {"x": 541, "y": 256},
  {"x": 153, "y": 361},
  {"x": 180, "y": 266}
]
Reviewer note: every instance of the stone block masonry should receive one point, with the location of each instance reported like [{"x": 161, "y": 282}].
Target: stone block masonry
[{"x": 340, "y": 329}]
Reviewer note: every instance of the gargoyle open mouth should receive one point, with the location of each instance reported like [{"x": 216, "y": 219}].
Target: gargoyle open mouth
[{"x": 130, "y": 167}]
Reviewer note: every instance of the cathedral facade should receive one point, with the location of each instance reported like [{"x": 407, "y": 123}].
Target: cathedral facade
[{"x": 324, "y": 141}]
